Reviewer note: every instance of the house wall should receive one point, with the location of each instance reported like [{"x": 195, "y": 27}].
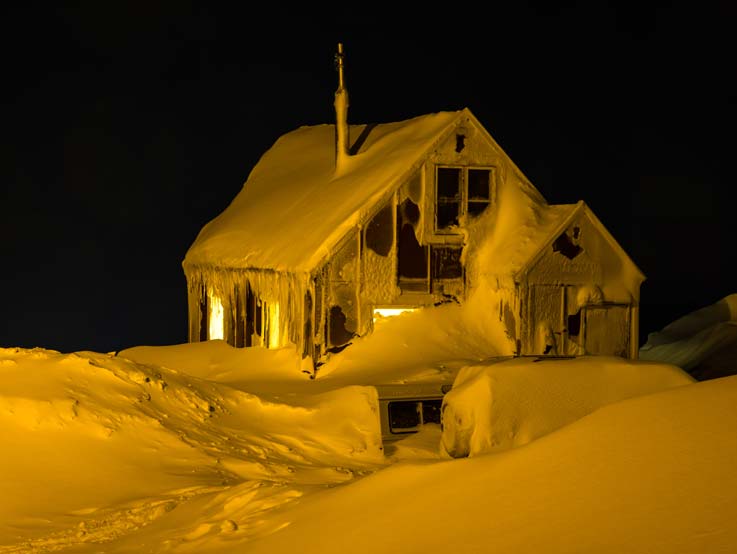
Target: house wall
[
  {"x": 343, "y": 310},
  {"x": 578, "y": 298},
  {"x": 383, "y": 282},
  {"x": 400, "y": 235}
]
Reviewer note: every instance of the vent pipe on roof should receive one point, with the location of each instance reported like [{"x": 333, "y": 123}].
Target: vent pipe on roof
[{"x": 341, "y": 112}]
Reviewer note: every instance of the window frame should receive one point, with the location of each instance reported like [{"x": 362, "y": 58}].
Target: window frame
[{"x": 463, "y": 197}]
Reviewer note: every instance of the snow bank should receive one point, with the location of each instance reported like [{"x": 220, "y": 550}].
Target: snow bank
[
  {"x": 90, "y": 438},
  {"x": 650, "y": 474},
  {"x": 269, "y": 371},
  {"x": 428, "y": 344},
  {"x": 706, "y": 336},
  {"x": 499, "y": 405}
]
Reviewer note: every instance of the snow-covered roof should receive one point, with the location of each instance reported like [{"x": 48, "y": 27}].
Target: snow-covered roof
[
  {"x": 516, "y": 231},
  {"x": 295, "y": 206}
]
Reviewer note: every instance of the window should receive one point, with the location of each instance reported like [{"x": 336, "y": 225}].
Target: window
[
  {"x": 448, "y": 197},
  {"x": 479, "y": 190},
  {"x": 446, "y": 262},
  {"x": 406, "y": 416},
  {"x": 461, "y": 191},
  {"x": 412, "y": 263},
  {"x": 215, "y": 319}
]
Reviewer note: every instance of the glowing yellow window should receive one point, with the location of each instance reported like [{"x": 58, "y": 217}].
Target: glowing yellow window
[
  {"x": 381, "y": 313},
  {"x": 215, "y": 317},
  {"x": 272, "y": 322}
]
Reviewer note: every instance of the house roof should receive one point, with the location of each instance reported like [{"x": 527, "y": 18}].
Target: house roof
[
  {"x": 519, "y": 231},
  {"x": 557, "y": 225},
  {"x": 515, "y": 232},
  {"x": 295, "y": 206}
]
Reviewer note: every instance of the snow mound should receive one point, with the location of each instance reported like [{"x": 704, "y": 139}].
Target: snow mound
[
  {"x": 84, "y": 432},
  {"x": 428, "y": 344},
  {"x": 704, "y": 342},
  {"x": 500, "y": 405},
  {"x": 649, "y": 474}
]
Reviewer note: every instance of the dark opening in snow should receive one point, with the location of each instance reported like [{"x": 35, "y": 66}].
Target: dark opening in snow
[
  {"x": 406, "y": 416},
  {"x": 566, "y": 246},
  {"x": 412, "y": 256},
  {"x": 339, "y": 335},
  {"x": 356, "y": 146},
  {"x": 379, "y": 232},
  {"x": 460, "y": 142},
  {"x": 574, "y": 324},
  {"x": 410, "y": 212}
]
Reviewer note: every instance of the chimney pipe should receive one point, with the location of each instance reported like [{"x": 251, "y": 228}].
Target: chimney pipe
[{"x": 341, "y": 112}]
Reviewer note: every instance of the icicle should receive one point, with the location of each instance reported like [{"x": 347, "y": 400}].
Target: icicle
[{"x": 280, "y": 288}]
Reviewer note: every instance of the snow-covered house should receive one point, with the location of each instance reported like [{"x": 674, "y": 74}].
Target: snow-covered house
[{"x": 338, "y": 225}]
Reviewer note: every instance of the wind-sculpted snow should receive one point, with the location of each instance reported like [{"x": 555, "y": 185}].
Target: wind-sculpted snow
[
  {"x": 502, "y": 404},
  {"x": 703, "y": 342},
  {"x": 113, "y": 445}
]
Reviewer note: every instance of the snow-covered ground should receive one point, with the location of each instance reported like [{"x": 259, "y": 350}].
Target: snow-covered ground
[{"x": 209, "y": 449}]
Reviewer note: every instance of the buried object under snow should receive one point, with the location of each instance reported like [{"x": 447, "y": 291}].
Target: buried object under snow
[{"x": 508, "y": 403}]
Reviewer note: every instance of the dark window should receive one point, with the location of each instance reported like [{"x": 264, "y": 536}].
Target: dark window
[
  {"x": 566, "y": 246},
  {"x": 446, "y": 263},
  {"x": 461, "y": 191},
  {"x": 460, "y": 142},
  {"x": 448, "y": 196},
  {"x": 574, "y": 324},
  {"x": 405, "y": 416},
  {"x": 412, "y": 256},
  {"x": 479, "y": 190},
  {"x": 431, "y": 411},
  {"x": 339, "y": 335}
]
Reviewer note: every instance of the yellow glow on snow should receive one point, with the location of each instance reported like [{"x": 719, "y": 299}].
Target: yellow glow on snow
[
  {"x": 272, "y": 313},
  {"x": 380, "y": 313},
  {"x": 215, "y": 319}
]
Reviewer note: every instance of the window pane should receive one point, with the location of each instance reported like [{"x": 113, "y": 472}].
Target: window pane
[
  {"x": 446, "y": 263},
  {"x": 431, "y": 411},
  {"x": 477, "y": 208},
  {"x": 447, "y": 214},
  {"x": 405, "y": 416},
  {"x": 449, "y": 182},
  {"x": 412, "y": 255},
  {"x": 478, "y": 184}
]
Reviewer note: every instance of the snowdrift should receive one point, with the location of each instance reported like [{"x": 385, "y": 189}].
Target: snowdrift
[
  {"x": 649, "y": 474},
  {"x": 704, "y": 342},
  {"x": 500, "y": 405},
  {"x": 101, "y": 441}
]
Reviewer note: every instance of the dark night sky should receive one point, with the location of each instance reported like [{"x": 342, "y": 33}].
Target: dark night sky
[{"x": 130, "y": 125}]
